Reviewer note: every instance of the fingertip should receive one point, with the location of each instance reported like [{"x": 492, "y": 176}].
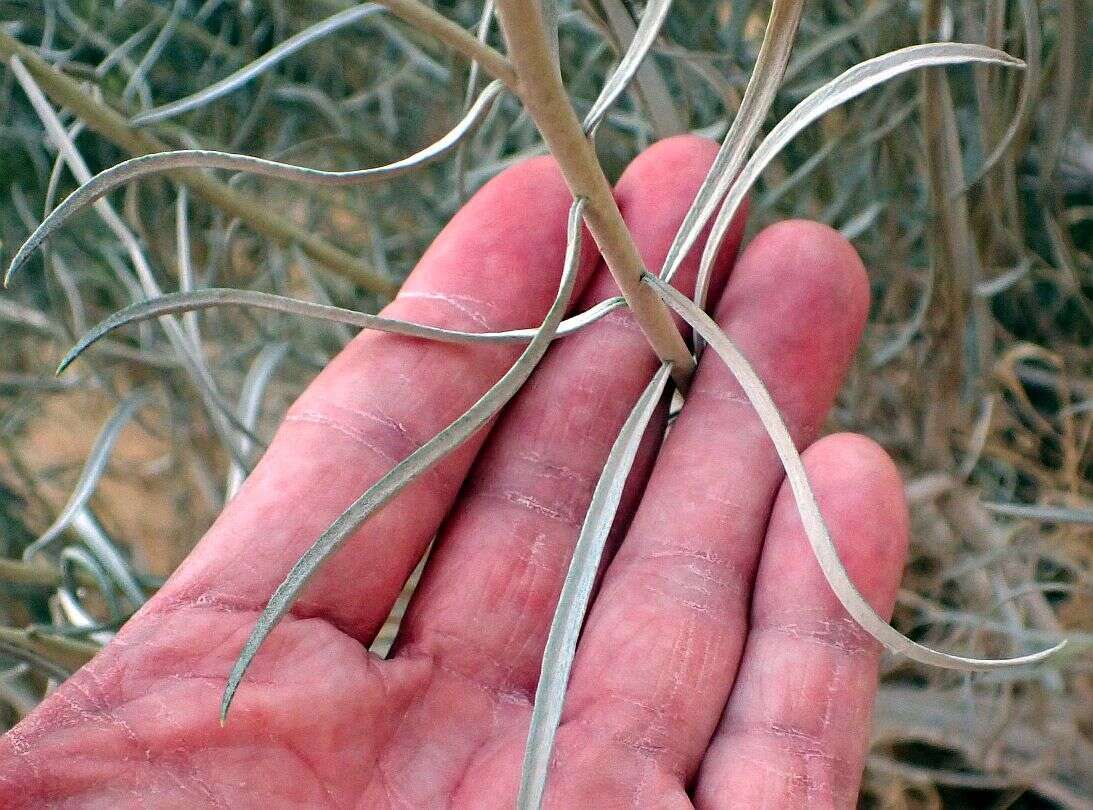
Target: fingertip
[
  {"x": 803, "y": 285},
  {"x": 808, "y": 667},
  {"x": 847, "y": 460},
  {"x": 655, "y": 193},
  {"x": 533, "y": 183},
  {"x": 796, "y": 304},
  {"x": 679, "y": 159},
  {"x": 860, "y": 493},
  {"x": 815, "y": 260}
]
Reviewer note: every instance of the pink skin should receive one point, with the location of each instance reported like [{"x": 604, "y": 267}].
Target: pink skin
[{"x": 716, "y": 668}]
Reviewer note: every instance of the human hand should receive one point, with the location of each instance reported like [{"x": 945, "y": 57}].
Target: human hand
[{"x": 716, "y": 668}]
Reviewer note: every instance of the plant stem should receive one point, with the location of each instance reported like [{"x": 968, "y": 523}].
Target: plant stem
[
  {"x": 423, "y": 18},
  {"x": 66, "y": 654},
  {"x": 65, "y": 91},
  {"x": 19, "y": 574},
  {"x": 541, "y": 90}
]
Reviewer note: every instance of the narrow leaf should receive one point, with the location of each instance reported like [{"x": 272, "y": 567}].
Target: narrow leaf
[
  {"x": 54, "y": 655},
  {"x": 155, "y": 50},
  {"x": 766, "y": 76},
  {"x": 839, "y": 90},
  {"x": 219, "y": 297},
  {"x": 815, "y": 528},
  {"x": 414, "y": 465},
  {"x": 221, "y": 417},
  {"x": 90, "y": 474},
  {"x": 185, "y": 264},
  {"x": 656, "y": 11},
  {"x": 68, "y": 598},
  {"x": 1026, "y": 101},
  {"x": 135, "y": 168},
  {"x": 259, "y": 66},
  {"x": 250, "y": 406},
  {"x": 87, "y": 527},
  {"x": 872, "y": 14},
  {"x": 485, "y": 21},
  {"x": 561, "y": 645},
  {"x": 1042, "y": 513}
]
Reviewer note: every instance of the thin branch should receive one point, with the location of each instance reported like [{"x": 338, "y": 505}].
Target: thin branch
[
  {"x": 56, "y": 655},
  {"x": 19, "y": 574}
]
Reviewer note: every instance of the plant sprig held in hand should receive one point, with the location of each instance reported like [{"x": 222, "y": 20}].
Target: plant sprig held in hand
[{"x": 530, "y": 74}]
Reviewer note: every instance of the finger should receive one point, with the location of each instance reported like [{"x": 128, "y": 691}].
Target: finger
[
  {"x": 487, "y": 598},
  {"x": 796, "y": 728},
  {"x": 495, "y": 266},
  {"x": 662, "y": 643}
]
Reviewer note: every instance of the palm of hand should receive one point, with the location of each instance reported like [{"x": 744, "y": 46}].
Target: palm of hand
[{"x": 715, "y": 668}]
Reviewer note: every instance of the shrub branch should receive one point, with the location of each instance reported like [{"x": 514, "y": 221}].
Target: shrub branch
[
  {"x": 541, "y": 90},
  {"x": 425, "y": 19}
]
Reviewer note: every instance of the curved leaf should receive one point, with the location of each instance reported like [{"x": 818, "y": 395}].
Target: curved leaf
[
  {"x": 414, "y": 465},
  {"x": 1026, "y": 101},
  {"x": 839, "y": 90},
  {"x": 656, "y": 11},
  {"x": 815, "y": 528},
  {"x": 766, "y": 76},
  {"x": 135, "y": 168},
  {"x": 260, "y": 65},
  {"x": 91, "y": 473},
  {"x": 219, "y": 297},
  {"x": 561, "y": 646},
  {"x": 250, "y": 405}
]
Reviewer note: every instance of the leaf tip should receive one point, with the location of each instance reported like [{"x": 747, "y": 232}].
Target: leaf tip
[
  {"x": 1051, "y": 652},
  {"x": 242, "y": 663},
  {"x": 66, "y": 361},
  {"x": 20, "y": 258},
  {"x": 228, "y": 696}
]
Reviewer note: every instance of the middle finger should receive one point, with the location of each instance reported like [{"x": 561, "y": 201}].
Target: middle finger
[
  {"x": 662, "y": 642},
  {"x": 485, "y": 603}
]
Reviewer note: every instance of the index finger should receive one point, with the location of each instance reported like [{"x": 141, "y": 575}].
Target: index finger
[{"x": 496, "y": 266}]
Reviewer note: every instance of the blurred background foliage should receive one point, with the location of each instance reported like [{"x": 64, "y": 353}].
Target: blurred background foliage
[{"x": 975, "y": 372}]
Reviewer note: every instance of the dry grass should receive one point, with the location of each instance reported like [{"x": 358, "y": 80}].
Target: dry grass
[{"x": 975, "y": 372}]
